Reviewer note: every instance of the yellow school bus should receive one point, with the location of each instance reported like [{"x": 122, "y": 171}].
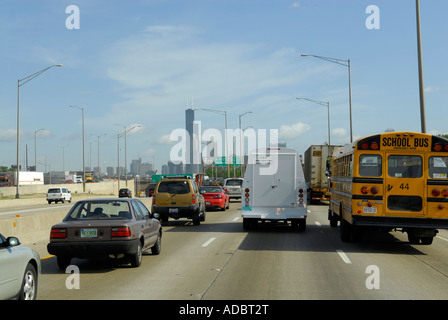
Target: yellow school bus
[{"x": 392, "y": 180}]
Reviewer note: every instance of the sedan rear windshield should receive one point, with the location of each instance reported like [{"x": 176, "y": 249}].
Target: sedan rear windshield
[
  {"x": 174, "y": 187},
  {"x": 210, "y": 189},
  {"x": 100, "y": 210},
  {"x": 235, "y": 182}
]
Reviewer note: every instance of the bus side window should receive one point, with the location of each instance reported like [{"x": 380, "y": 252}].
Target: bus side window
[{"x": 370, "y": 165}]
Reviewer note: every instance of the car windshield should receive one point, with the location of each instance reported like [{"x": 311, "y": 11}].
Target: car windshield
[
  {"x": 211, "y": 189},
  {"x": 234, "y": 182},
  {"x": 174, "y": 187},
  {"x": 104, "y": 210}
]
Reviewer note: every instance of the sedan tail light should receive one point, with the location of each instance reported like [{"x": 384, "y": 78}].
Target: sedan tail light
[
  {"x": 57, "y": 233},
  {"x": 121, "y": 232}
]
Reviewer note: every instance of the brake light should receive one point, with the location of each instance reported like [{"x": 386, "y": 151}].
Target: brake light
[
  {"x": 301, "y": 196},
  {"x": 121, "y": 232},
  {"x": 374, "y": 190},
  {"x": 193, "y": 200},
  {"x": 57, "y": 233},
  {"x": 247, "y": 195},
  {"x": 435, "y": 192},
  {"x": 153, "y": 199}
]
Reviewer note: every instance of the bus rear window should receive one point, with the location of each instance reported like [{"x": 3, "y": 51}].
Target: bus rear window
[
  {"x": 404, "y": 166},
  {"x": 370, "y": 165},
  {"x": 438, "y": 167}
]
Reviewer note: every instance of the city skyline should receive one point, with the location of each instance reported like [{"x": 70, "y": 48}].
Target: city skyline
[{"x": 141, "y": 64}]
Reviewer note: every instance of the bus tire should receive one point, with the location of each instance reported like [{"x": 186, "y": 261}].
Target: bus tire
[
  {"x": 332, "y": 218},
  {"x": 345, "y": 230}
]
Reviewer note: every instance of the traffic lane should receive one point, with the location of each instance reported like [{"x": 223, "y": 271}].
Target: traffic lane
[
  {"x": 276, "y": 263},
  {"x": 191, "y": 259}
]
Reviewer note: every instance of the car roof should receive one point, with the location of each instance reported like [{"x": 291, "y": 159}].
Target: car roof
[{"x": 109, "y": 199}]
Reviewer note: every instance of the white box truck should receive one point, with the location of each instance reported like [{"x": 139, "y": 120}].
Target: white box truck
[{"x": 274, "y": 188}]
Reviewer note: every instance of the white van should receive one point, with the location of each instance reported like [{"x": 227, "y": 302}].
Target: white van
[{"x": 274, "y": 188}]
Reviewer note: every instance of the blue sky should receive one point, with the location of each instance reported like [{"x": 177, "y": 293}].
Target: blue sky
[{"x": 142, "y": 62}]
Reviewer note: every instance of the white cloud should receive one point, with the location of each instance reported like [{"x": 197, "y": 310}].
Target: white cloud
[
  {"x": 293, "y": 130},
  {"x": 162, "y": 66},
  {"x": 8, "y": 135},
  {"x": 431, "y": 89},
  {"x": 296, "y": 4}
]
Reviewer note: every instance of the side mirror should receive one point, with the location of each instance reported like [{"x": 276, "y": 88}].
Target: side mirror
[{"x": 12, "y": 241}]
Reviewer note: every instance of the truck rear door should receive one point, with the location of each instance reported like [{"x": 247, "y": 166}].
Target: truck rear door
[{"x": 277, "y": 189}]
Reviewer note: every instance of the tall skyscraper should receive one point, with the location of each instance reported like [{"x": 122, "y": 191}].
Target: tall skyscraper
[{"x": 189, "y": 119}]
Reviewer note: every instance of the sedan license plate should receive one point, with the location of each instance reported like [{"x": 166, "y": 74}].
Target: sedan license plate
[
  {"x": 172, "y": 210},
  {"x": 369, "y": 210},
  {"x": 89, "y": 233}
]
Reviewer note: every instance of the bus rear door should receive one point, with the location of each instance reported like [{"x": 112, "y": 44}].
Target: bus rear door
[{"x": 404, "y": 185}]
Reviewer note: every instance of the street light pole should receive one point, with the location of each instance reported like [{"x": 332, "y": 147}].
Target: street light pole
[
  {"x": 83, "y": 151},
  {"x": 35, "y": 148},
  {"x": 222, "y": 112},
  {"x": 19, "y": 84},
  {"x": 241, "y": 143},
  {"x": 322, "y": 103},
  {"x": 420, "y": 69},
  {"x": 345, "y": 63}
]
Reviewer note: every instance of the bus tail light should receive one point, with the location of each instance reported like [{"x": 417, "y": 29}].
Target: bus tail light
[
  {"x": 374, "y": 190},
  {"x": 441, "y": 206},
  {"x": 445, "y": 193},
  {"x": 435, "y": 192}
]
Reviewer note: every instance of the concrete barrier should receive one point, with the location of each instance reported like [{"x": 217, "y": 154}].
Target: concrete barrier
[{"x": 36, "y": 228}]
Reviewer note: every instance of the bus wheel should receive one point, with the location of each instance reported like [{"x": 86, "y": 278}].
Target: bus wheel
[
  {"x": 345, "y": 231},
  {"x": 332, "y": 218},
  {"x": 413, "y": 239}
]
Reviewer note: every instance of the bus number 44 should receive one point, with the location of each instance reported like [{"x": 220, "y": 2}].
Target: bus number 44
[{"x": 404, "y": 186}]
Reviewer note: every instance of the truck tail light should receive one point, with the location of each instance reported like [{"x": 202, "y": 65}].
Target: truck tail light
[
  {"x": 57, "y": 233},
  {"x": 153, "y": 199},
  {"x": 300, "y": 195},
  {"x": 246, "y": 196},
  {"x": 121, "y": 232}
]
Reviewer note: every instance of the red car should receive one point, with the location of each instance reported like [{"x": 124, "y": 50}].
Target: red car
[{"x": 215, "y": 197}]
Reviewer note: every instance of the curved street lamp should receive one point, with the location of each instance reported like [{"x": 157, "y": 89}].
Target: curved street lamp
[{"x": 20, "y": 83}]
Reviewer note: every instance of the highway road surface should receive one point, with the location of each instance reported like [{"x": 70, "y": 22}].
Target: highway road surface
[{"x": 219, "y": 260}]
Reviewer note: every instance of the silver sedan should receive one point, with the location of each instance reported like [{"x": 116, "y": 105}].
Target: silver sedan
[{"x": 20, "y": 268}]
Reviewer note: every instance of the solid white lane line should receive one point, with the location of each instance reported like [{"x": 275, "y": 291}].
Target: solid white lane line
[
  {"x": 344, "y": 256},
  {"x": 208, "y": 242},
  {"x": 442, "y": 238}
]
